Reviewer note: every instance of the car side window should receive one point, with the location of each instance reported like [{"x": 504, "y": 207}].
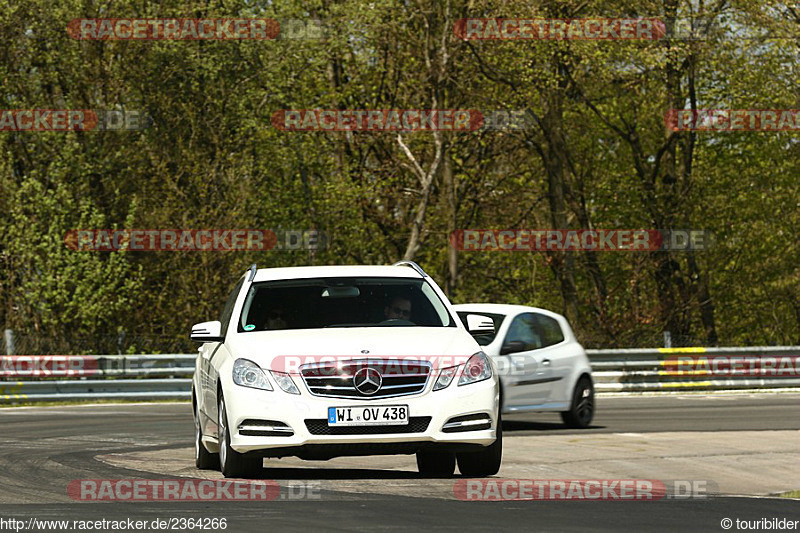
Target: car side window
[
  {"x": 549, "y": 330},
  {"x": 534, "y": 331},
  {"x": 522, "y": 331},
  {"x": 227, "y": 311}
]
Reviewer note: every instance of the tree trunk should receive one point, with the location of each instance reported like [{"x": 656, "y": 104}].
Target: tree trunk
[
  {"x": 557, "y": 165},
  {"x": 452, "y": 223}
]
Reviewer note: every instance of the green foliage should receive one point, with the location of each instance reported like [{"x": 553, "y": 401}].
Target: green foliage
[{"x": 212, "y": 160}]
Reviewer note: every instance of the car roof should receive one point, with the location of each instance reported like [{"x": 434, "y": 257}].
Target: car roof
[
  {"x": 510, "y": 309},
  {"x": 302, "y": 272},
  {"x": 502, "y": 309}
]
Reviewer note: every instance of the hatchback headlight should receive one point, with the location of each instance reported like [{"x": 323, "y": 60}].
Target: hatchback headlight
[
  {"x": 248, "y": 374},
  {"x": 478, "y": 368}
]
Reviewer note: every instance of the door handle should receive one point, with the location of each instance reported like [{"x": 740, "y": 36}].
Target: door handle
[{"x": 546, "y": 362}]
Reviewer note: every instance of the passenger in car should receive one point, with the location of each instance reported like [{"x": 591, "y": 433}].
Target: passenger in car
[{"x": 276, "y": 319}]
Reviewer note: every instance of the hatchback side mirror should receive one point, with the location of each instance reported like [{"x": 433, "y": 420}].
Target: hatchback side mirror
[
  {"x": 207, "y": 332},
  {"x": 512, "y": 347}
]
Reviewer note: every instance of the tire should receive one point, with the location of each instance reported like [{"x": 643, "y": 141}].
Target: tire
[
  {"x": 203, "y": 459},
  {"x": 436, "y": 464},
  {"x": 485, "y": 462},
  {"x": 581, "y": 411},
  {"x": 231, "y": 462}
]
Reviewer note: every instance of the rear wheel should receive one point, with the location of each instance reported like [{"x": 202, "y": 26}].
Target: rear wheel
[
  {"x": 203, "y": 459},
  {"x": 436, "y": 464},
  {"x": 581, "y": 411},
  {"x": 485, "y": 462},
  {"x": 233, "y": 463}
]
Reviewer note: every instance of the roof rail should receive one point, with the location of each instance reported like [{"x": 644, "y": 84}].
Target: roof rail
[
  {"x": 413, "y": 265},
  {"x": 253, "y": 269}
]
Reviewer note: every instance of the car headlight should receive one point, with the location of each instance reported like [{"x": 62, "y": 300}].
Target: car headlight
[
  {"x": 478, "y": 368},
  {"x": 248, "y": 374},
  {"x": 285, "y": 382},
  {"x": 446, "y": 377}
]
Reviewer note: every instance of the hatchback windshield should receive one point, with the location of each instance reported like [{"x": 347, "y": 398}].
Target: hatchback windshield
[{"x": 341, "y": 303}]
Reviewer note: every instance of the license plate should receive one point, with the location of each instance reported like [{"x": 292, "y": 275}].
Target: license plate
[{"x": 379, "y": 415}]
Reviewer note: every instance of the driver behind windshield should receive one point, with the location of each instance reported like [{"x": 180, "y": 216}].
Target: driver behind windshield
[{"x": 398, "y": 308}]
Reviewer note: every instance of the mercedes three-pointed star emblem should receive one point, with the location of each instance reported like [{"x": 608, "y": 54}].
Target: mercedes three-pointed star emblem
[{"x": 367, "y": 381}]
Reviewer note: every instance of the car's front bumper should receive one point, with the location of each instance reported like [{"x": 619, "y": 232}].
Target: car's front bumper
[{"x": 302, "y": 428}]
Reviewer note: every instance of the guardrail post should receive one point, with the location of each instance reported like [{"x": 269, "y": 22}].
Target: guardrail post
[
  {"x": 10, "y": 347},
  {"x": 667, "y": 339},
  {"x": 120, "y": 341}
]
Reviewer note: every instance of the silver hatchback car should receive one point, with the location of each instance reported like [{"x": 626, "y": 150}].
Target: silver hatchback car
[{"x": 542, "y": 365}]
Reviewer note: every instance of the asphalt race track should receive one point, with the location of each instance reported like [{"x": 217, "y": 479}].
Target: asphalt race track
[{"x": 742, "y": 447}]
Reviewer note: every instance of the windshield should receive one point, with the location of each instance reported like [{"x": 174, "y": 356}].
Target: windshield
[{"x": 341, "y": 303}]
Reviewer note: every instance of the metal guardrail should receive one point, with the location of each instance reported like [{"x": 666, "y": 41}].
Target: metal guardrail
[
  {"x": 26, "y": 379},
  {"x": 701, "y": 369},
  {"x": 154, "y": 377},
  {"x": 96, "y": 389}
]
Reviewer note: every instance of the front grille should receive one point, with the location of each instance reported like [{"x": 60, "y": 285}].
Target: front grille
[
  {"x": 319, "y": 426},
  {"x": 336, "y": 380}
]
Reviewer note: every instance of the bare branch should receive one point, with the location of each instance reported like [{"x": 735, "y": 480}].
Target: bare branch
[{"x": 415, "y": 165}]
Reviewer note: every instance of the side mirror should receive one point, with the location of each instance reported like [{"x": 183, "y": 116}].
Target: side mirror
[
  {"x": 480, "y": 325},
  {"x": 512, "y": 347},
  {"x": 207, "y": 332}
]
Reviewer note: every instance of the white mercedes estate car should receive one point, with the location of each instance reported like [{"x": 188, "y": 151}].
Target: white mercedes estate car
[
  {"x": 542, "y": 365},
  {"x": 325, "y": 361}
]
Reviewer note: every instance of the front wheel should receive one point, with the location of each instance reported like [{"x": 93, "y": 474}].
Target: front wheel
[
  {"x": 581, "y": 410},
  {"x": 203, "y": 459},
  {"x": 485, "y": 462},
  {"x": 233, "y": 463}
]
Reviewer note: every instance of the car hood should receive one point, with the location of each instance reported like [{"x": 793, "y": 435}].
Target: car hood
[{"x": 285, "y": 350}]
